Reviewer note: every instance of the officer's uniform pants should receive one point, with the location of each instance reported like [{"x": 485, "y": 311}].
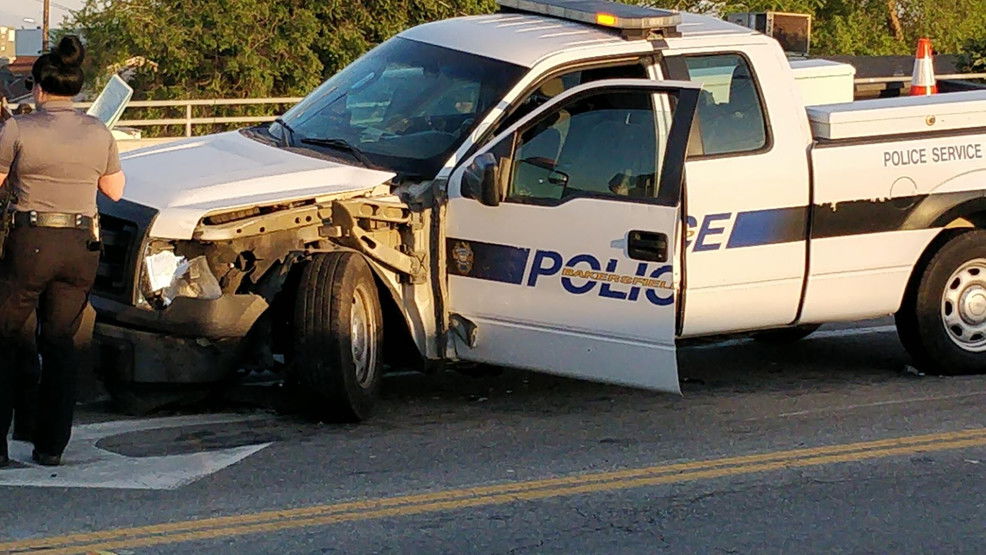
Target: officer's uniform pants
[
  {"x": 28, "y": 376},
  {"x": 50, "y": 271}
]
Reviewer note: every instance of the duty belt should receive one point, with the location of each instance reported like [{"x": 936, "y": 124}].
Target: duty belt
[{"x": 53, "y": 219}]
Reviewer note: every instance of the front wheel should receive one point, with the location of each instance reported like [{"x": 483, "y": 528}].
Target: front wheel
[
  {"x": 942, "y": 321},
  {"x": 338, "y": 325}
]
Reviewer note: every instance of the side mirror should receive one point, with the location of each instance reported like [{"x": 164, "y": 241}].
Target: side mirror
[{"x": 481, "y": 180}]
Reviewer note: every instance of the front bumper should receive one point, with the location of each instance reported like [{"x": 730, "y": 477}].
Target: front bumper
[
  {"x": 191, "y": 341},
  {"x": 126, "y": 355},
  {"x": 225, "y": 317}
]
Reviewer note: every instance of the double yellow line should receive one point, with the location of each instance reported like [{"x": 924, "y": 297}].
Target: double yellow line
[{"x": 456, "y": 499}]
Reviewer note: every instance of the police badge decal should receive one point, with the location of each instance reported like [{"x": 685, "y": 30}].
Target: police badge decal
[{"x": 463, "y": 256}]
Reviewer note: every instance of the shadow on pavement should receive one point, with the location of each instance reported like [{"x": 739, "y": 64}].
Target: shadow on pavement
[{"x": 707, "y": 373}]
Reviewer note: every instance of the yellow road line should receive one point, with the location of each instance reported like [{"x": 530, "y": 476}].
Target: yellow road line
[
  {"x": 491, "y": 495},
  {"x": 491, "y": 500}
]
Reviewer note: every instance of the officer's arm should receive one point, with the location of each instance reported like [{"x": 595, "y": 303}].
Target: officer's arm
[
  {"x": 112, "y": 185},
  {"x": 113, "y": 181}
]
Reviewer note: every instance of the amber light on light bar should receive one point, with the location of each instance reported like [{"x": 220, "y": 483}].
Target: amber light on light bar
[{"x": 606, "y": 19}]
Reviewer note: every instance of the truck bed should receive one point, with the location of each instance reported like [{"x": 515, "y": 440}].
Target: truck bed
[{"x": 887, "y": 176}]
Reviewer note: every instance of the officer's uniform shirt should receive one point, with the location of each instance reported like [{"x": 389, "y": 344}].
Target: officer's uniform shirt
[{"x": 55, "y": 157}]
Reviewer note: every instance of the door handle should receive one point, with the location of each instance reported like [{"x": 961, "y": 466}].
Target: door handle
[{"x": 647, "y": 245}]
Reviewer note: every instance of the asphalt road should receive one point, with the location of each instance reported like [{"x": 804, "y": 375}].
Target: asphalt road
[{"x": 825, "y": 445}]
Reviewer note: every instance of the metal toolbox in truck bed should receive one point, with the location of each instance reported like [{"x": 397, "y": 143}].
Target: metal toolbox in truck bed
[
  {"x": 897, "y": 116},
  {"x": 824, "y": 82}
]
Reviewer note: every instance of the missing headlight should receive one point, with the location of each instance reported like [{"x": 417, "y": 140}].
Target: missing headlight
[{"x": 166, "y": 276}]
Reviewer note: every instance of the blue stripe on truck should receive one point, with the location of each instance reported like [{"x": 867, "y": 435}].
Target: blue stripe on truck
[
  {"x": 488, "y": 261},
  {"x": 506, "y": 263},
  {"x": 767, "y": 227}
]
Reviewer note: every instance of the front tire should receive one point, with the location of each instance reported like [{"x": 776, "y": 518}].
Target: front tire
[
  {"x": 942, "y": 321},
  {"x": 338, "y": 325}
]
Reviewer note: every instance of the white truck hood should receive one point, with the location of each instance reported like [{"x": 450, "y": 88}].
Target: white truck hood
[{"x": 188, "y": 179}]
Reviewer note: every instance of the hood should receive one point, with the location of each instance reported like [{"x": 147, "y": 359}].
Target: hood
[{"x": 188, "y": 179}]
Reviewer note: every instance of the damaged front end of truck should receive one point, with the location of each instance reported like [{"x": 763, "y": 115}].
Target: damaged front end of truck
[{"x": 192, "y": 306}]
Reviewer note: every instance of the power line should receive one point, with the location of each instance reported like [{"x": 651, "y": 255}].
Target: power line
[{"x": 57, "y": 5}]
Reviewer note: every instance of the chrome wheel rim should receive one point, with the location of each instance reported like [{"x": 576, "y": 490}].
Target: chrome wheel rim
[
  {"x": 963, "y": 307},
  {"x": 363, "y": 339}
]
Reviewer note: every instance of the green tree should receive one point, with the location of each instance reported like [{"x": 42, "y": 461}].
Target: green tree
[
  {"x": 973, "y": 58},
  {"x": 867, "y": 27},
  {"x": 255, "y": 48},
  {"x": 245, "y": 48},
  {"x": 204, "y": 48},
  {"x": 349, "y": 28},
  {"x": 240, "y": 48}
]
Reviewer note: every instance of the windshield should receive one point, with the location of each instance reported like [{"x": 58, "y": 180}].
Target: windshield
[{"x": 404, "y": 106}]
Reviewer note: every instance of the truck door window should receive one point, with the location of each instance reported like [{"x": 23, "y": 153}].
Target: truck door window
[
  {"x": 730, "y": 111},
  {"x": 558, "y": 84},
  {"x": 603, "y": 145}
]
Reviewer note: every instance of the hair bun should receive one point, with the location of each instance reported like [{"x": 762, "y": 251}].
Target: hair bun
[{"x": 70, "y": 51}]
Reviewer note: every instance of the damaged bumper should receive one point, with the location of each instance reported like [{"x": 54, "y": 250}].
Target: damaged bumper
[{"x": 190, "y": 341}]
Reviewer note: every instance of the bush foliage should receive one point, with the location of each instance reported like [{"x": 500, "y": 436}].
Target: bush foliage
[
  {"x": 973, "y": 58},
  {"x": 243, "y": 48}
]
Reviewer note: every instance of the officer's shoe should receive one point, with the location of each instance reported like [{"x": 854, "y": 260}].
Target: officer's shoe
[
  {"x": 4, "y": 461},
  {"x": 46, "y": 460}
]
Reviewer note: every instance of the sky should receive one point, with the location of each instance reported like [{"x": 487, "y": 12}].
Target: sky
[{"x": 13, "y": 12}]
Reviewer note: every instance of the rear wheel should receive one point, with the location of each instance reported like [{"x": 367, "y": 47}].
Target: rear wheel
[
  {"x": 942, "y": 322},
  {"x": 338, "y": 337}
]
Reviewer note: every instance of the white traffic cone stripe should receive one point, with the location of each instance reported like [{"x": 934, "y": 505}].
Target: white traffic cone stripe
[
  {"x": 924, "y": 73},
  {"x": 923, "y": 81}
]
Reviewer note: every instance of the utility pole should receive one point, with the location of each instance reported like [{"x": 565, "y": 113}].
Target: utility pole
[{"x": 44, "y": 27}]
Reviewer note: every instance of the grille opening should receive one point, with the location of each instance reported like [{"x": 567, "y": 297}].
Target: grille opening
[{"x": 121, "y": 240}]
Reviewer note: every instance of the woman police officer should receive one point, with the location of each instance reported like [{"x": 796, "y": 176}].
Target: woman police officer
[{"x": 55, "y": 160}]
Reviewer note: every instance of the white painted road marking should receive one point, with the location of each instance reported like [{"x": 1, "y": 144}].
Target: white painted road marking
[
  {"x": 88, "y": 466},
  {"x": 875, "y": 404},
  {"x": 847, "y": 332}
]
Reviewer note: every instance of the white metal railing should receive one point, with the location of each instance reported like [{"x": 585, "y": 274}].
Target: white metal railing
[{"x": 188, "y": 120}]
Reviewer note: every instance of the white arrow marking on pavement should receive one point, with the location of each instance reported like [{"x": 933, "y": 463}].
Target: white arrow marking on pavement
[{"x": 87, "y": 466}]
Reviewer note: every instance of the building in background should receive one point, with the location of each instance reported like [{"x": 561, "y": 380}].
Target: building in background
[
  {"x": 7, "y": 48},
  {"x": 27, "y": 42},
  {"x": 19, "y": 48}
]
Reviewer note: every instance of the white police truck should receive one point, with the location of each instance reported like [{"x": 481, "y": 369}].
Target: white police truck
[{"x": 565, "y": 186}]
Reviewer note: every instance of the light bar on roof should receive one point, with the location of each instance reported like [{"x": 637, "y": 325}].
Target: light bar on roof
[{"x": 635, "y": 22}]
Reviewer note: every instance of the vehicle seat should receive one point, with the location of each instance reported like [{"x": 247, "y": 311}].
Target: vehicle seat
[
  {"x": 704, "y": 125},
  {"x": 548, "y": 142},
  {"x": 606, "y": 155},
  {"x": 737, "y": 125}
]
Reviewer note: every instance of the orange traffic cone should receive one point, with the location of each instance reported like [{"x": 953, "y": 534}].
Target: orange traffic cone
[{"x": 923, "y": 82}]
